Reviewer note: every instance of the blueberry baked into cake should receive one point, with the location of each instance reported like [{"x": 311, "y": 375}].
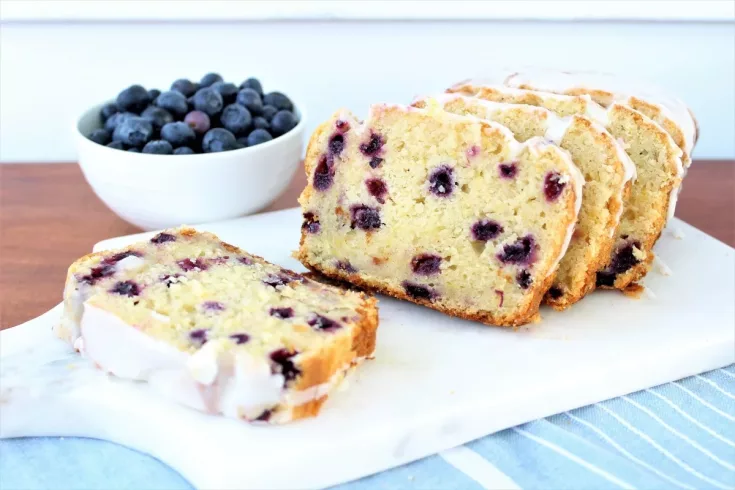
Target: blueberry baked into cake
[
  {"x": 444, "y": 210},
  {"x": 216, "y": 328},
  {"x": 659, "y": 172},
  {"x": 608, "y": 173}
]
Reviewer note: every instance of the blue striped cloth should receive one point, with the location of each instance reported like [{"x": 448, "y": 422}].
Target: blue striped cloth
[{"x": 678, "y": 435}]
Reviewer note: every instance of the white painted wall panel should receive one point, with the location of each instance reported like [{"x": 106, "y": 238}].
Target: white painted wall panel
[{"x": 50, "y": 72}]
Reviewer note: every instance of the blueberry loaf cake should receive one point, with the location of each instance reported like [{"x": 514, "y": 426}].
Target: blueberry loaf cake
[
  {"x": 659, "y": 172},
  {"x": 604, "y": 88},
  {"x": 444, "y": 210},
  {"x": 215, "y": 328},
  {"x": 607, "y": 170}
]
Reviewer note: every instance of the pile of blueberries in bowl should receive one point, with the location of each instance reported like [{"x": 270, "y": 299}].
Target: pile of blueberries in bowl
[{"x": 205, "y": 117}]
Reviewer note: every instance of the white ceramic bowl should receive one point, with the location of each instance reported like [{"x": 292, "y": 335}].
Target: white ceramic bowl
[{"x": 159, "y": 191}]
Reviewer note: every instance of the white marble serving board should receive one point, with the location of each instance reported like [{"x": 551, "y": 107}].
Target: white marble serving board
[{"x": 436, "y": 381}]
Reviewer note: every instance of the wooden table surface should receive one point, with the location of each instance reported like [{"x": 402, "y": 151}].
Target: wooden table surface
[{"x": 49, "y": 217}]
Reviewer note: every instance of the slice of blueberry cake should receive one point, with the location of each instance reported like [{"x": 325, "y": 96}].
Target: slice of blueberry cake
[
  {"x": 657, "y": 158},
  {"x": 607, "y": 170},
  {"x": 444, "y": 210},
  {"x": 215, "y": 328}
]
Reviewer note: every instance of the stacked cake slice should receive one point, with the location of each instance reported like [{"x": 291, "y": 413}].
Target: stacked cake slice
[{"x": 472, "y": 202}]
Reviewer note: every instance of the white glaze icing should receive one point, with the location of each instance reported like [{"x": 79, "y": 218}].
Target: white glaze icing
[
  {"x": 213, "y": 379},
  {"x": 129, "y": 263},
  {"x": 597, "y": 114},
  {"x": 671, "y": 107},
  {"x": 577, "y": 180}
]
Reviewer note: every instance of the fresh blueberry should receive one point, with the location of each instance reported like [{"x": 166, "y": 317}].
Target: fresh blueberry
[
  {"x": 323, "y": 173},
  {"x": 153, "y": 93},
  {"x": 524, "y": 279},
  {"x": 114, "y": 120},
  {"x": 278, "y": 100},
  {"x": 553, "y": 186},
  {"x": 254, "y": 84},
  {"x": 250, "y": 99},
  {"x": 100, "y": 136},
  {"x": 184, "y": 87},
  {"x": 115, "y": 145},
  {"x": 126, "y": 288},
  {"x": 242, "y": 141},
  {"x": 157, "y": 117},
  {"x": 173, "y": 102},
  {"x": 365, "y": 217},
  {"x": 236, "y": 119},
  {"x": 158, "y": 147},
  {"x": 108, "y": 110},
  {"x": 258, "y": 136},
  {"x": 210, "y": 79},
  {"x": 377, "y": 188},
  {"x": 261, "y": 123},
  {"x": 268, "y": 111},
  {"x": 373, "y": 146},
  {"x": 426, "y": 264},
  {"x": 133, "y": 149},
  {"x": 208, "y": 101},
  {"x": 228, "y": 91},
  {"x": 485, "y": 229},
  {"x": 441, "y": 181},
  {"x": 178, "y": 134},
  {"x": 218, "y": 139},
  {"x": 183, "y": 150},
  {"x": 198, "y": 121},
  {"x": 283, "y": 122},
  {"x": 133, "y": 99},
  {"x": 417, "y": 291},
  {"x": 134, "y": 131},
  {"x": 522, "y": 251}
]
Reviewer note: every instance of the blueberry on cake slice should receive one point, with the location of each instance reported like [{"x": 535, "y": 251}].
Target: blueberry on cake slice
[
  {"x": 659, "y": 172},
  {"x": 607, "y": 169},
  {"x": 444, "y": 210},
  {"x": 604, "y": 88},
  {"x": 215, "y": 328}
]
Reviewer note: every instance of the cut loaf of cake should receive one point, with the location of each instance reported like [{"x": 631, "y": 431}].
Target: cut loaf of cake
[
  {"x": 607, "y": 170},
  {"x": 215, "y": 328},
  {"x": 604, "y": 88},
  {"x": 443, "y": 210},
  {"x": 659, "y": 172}
]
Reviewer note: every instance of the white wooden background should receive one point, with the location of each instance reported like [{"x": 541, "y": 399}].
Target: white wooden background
[{"x": 59, "y": 57}]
